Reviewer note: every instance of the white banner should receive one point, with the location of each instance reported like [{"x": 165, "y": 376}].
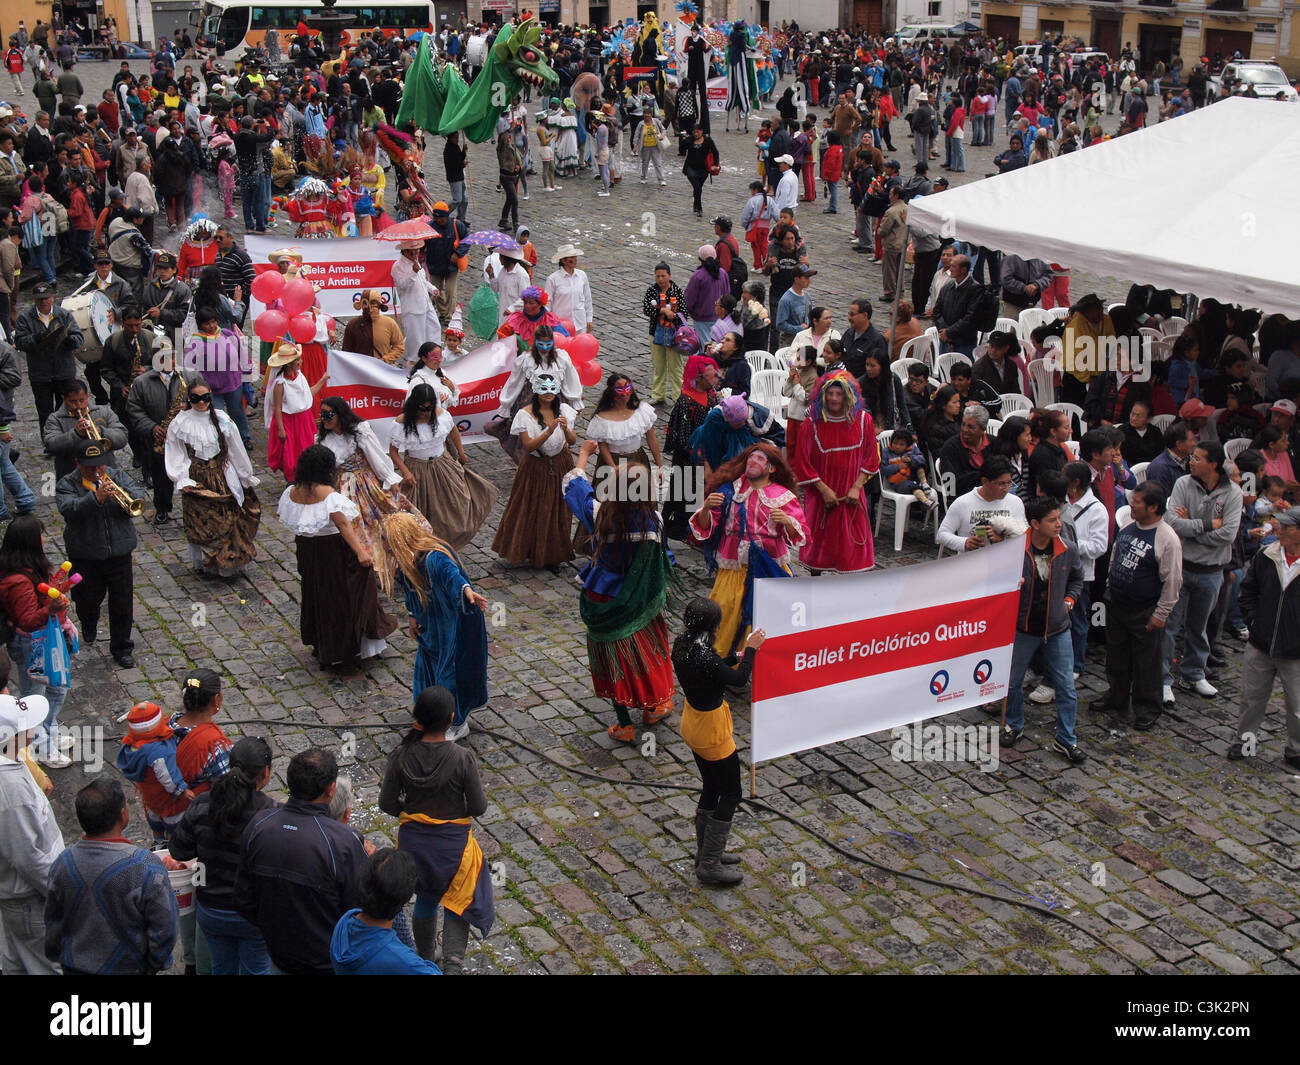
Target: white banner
[
  {"x": 375, "y": 390},
  {"x": 340, "y": 269},
  {"x": 853, "y": 655}
]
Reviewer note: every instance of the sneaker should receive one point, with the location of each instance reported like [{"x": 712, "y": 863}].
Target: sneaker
[
  {"x": 457, "y": 731},
  {"x": 1042, "y": 694},
  {"x": 1236, "y": 751},
  {"x": 1201, "y": 687},
  {"x": 602, "y": 193},
  {"x": 524, "y": 196},
  {"x": 66, "y": 743},
  {"x": 622, "y": 733},
  {"x": 1167, "y": 695},
  {"x": 653, "y": 717},
  {"x": 1073, "y": 753},
  {"x": 1242, "y": 633},
  {"x": 641, "y": 181},
  {"x": 1010, "y": 736},
  {"x": 55, "y": 761},
  {"x": 1076, "y": 676},
  {"x": 663, "y": 184}
]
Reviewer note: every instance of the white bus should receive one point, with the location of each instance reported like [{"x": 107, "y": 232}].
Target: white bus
[{"x": 235, "y": 26}]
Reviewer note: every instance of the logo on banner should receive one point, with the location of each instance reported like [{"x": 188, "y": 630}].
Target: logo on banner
[
  {"x": 983, "y": 670},
  {"x": 939, "y": 682}
]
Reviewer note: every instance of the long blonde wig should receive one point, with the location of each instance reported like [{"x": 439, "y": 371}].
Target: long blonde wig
[{"x": 399, "y": 549}]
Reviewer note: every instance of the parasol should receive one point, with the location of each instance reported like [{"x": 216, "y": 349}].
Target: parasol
[
  {"x": 491, "y": 238},
  {"x": 411, "y": 229}
]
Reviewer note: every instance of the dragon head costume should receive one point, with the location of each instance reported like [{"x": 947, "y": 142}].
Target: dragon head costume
[{"x": 437, "y": 99}]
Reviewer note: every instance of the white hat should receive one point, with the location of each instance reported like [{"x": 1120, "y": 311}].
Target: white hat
[
  {"x": 21, "y": 715},
  {"x": 787, "y": 159},
  {"x": 565, "y": 251}
]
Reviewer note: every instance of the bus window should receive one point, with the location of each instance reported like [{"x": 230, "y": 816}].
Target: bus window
[{"x": 233, "y": 27}]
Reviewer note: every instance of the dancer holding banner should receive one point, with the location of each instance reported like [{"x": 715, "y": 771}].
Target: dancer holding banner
[
  {"x": 625, "y": 587},
  {"x": 837, "y": 455},
  {"x": 707, "y": 730},
  {"x": 454, "y": 498},
  {"x": 428, "y": 371},
  {"x": 758, "y": 533}
]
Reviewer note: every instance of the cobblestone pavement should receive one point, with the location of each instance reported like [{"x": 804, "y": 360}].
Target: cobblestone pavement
[{"x": 1198, "y": 865}]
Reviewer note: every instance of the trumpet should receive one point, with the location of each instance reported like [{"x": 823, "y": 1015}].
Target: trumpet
[{"x": 134, "y": 507}]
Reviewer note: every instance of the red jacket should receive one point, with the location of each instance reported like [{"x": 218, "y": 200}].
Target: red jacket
[
  {"x": 80, "y": 216},
  {"x": 21, "y": 604},
  {"x": 833, "y": 163}
]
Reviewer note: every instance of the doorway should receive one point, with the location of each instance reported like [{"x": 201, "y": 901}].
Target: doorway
[
  {"x": 1105, "y": 36},
  {"x": 1004, "y": 26},
  {"x": 1158, "y": 44}
]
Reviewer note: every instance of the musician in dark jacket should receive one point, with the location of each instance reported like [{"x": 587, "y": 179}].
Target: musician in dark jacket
[
  {"x": 49, "y": 336},
  {"x": 152, "y": 397},
  {"x": 99, "y": 536},
  {"x": 65, "y": 429},
  {"x": 166, "y": 298}
]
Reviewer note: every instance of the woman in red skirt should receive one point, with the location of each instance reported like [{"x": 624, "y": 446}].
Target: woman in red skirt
[
  {"x": 624, "y": 589},
  {"x": 290, "y": 404}
]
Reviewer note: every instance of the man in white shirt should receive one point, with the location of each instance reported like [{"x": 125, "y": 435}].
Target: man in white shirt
[
  {"x": 1087, "y": 518},
  {"x": 787, "y": 188},
  {"x": 568, "y": 290},
  {"x": 30, "y": 842},
  {"x": 966, "y": 525}
]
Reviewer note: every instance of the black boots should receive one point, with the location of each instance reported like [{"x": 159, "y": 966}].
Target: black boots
[
  {"x": 709, "y": 868},
  {"x": 424, "y": 930},
  {"x": 702, "y": 817},
  {"x": 455, "y": 938}
]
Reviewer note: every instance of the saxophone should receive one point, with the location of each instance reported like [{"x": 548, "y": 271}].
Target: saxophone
[{"x": 182, "y": 397}]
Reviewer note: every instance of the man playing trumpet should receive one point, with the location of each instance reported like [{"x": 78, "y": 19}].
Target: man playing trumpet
[
  {"x": 100, "y": 535},
  {"x": 75, "y": 420}
]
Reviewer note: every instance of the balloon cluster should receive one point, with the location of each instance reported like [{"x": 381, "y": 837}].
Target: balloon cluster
[
  {"x": 296, "y": 297},
  {"x": 582, "y": 348}
]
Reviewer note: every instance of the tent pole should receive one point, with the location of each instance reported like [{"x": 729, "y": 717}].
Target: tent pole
[{"x": 898, "y": 286}]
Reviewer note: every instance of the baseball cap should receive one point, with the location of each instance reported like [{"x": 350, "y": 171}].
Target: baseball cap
[
  {"x": 43, "y": 289},
  {"x": 1284, "y": 406},
  {"x": 787, "y": 159},
  {"x": 722, "y": 220},
  {"x": 941, "y": 183},
  {"x": 165, "y": 258},
  {"x": 103, "y": 257},
  {"x": 1290, "y": 516},
  {"x": 93, "y": 453},
  {"x": 21, "y": 715},
  {"x": 893, "y": 164},
  {"x": 1194, "y": 408}
]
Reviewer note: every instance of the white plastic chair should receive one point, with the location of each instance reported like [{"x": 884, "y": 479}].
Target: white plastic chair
[
  {"x": 765, "y": 389},
  {"x": 944, "y": 363},
  {"x": 1123, "y": 516},
  {"x": 1139, "y": 471},
  {"x": 1233, "y": 448},
  {"x": 1059, "y": 312},
  {"x": 1163, "y": 348},
  {"x": 1014, "y": 403},
  {"x": 1074, "y": 411},
  {"x": 945, "y": 497},
  {"x": 1030, "y": 319},
  {"x": 1150, "y": 334},
  {"x": 903, "y": 501},
  {"x": 1042, "y": 377},
  {"x": 1008, "y": 325},
  {"x": 923, "y": 349},
  {"x": 991, "y": 430},
  {"x": 1173, "y": 325},
  {"x": 901, "y": 365},
  {"x": 1163, "y": 421},
  {"x": 1072, "y": 446},
  {"x": 760, "y": 360},
  {"x": 782, "y": 357},
  {"x": 1262, "y": 409}
]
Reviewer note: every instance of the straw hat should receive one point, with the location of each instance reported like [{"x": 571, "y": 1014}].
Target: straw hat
[
  {"x": 284, "y": 354},
  {"x": 566, "y": 251},
  {"x": 285, "y": 253}
]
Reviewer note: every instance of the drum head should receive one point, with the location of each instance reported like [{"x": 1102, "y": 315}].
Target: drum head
[{"x": 101, "y": 316}]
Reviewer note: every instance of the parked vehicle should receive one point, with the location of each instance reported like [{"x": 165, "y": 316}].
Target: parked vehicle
[{"x": 1268, "y": 79}]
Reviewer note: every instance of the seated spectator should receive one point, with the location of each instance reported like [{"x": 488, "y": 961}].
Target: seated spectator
[
  {"x": 364, "y": 943},
  {"x": 996, "y": 368},
  {"x": 963, "y": 454},
  {"x": 1050, "y": 430},
  {"x": 1239, "y": 420},
  {"x": 918, "y": 393},
  {"x": 966, "y": 525},
  {"x": 1142, "y": 440}
]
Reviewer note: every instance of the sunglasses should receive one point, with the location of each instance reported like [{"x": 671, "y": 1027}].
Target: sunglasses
[
  {"x": 327, "y": 415},
  {"x": 200, "y": 397}
]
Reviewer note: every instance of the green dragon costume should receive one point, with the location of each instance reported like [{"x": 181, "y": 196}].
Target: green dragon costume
[{"x": 437, "y": 99}]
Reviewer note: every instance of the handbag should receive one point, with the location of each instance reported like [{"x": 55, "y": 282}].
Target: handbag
[{"x": 760, "y": 565}]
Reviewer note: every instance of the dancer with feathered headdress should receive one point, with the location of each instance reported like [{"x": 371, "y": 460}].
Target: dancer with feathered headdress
[{"x": 837, "y": 455}]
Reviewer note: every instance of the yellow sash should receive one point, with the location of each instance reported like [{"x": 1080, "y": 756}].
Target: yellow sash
[{"x": 460, "y": 893}]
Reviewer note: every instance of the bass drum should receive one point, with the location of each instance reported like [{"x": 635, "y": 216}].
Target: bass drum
[{"x": 92, "y": 311}]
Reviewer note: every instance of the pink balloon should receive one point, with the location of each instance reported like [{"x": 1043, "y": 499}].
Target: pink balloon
[
  {"x": 590, "y": 373},
  {"x": 567, "y": 325},
  {"x": 302, "y": 327},
  {"x": 268, "y": 285},
  {"x": 270, "y": 325},
  {"x": 298, "y": 296},
  {"x": 583, "y": 348}
]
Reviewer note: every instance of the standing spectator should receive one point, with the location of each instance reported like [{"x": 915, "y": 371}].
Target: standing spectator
[
  {"x": 786, "y": 194},
  {"x": 111, "y": 909},
  {"x": 1090, "y": 522},
  {"x": 954, "y": 310},
  {"x": 663, "y": 304},
  {"x": 1205, "y": 512},
  {"x": 892, "y": 235},
  {"x": 237, "y": 273},
  {"x": 702, "y": 158},
  {"x": 70, "y": 87},
  {"x": 1171, "y": 464},
  {"x": 298, "y": 868},
  {"x": 1052, "y": 581},
  {"x": 30, "y": 842},
  {"x": 1146, "y": 574},
  {"x": 1270, "y": 603},
  {"x": 445, "y": 257},
  {"x": 15, "y": 65},
  {"x": 140, "y": 197}
]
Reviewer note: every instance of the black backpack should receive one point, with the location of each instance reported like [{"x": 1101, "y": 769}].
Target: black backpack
[{"x": 988, "y": 309}]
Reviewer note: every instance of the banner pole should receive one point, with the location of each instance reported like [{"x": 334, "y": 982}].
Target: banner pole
[{"x": 753, "y": 780}]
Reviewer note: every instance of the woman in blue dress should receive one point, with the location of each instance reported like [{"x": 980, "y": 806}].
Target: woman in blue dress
[{"x": 446, "y": 614}]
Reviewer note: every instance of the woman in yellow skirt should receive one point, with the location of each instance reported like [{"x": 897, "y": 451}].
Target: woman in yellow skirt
[{"x": 706, "y": 728}]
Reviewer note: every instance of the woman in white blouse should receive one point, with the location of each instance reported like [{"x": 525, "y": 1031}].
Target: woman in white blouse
[
  {"x": 542, "y": 357},
  {"x": 536, "y": 524},
  {"x": 508, "y": 277},
  {"x": 341, "y": 619},
  {"x": 622, "y": 424},
  {"x": 428, "y": 371},
  {"x": 206, "y": 461},
  {"x": 367, "y": 475},
  {"x": 290, "y": 397},
  {"x": 454, "y": 499},
  {"x": 569, "y": 290}
]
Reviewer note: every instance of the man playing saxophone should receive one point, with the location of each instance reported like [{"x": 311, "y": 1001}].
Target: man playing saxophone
[
  {"x": 99, "y": 535},
  {"x": 154, "y": 398}
]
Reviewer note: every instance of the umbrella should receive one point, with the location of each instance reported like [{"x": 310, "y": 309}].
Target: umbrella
[
  {"x": 491, "y": 238},
  {"x": 411, "y": 229}
]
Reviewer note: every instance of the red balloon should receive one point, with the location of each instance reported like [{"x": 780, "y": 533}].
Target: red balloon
[
  {"x": 268, "y": 285},
  {"x": 270, "y": 325},
  {"x": 590, "y": 373},
  {"x": 302, "y": 327},
  {"x": 567, "y": 325},
  {"x": 298, "y": 295},
  {"x": 583, "y": 348}
]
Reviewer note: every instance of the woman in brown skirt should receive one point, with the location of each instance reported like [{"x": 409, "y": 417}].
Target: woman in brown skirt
[
  {"x": 454, "y": 498},
  {"x": 206, "y": 461},
  {"x": 535, "y": 525},
  {"x": 341, "y": 620}
]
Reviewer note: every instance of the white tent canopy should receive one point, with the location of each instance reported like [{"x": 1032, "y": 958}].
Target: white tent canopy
[{"x": 1204, "y": 204}]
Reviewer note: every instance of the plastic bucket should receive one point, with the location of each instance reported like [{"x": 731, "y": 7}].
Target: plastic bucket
[{"x": 182, "y": 881}]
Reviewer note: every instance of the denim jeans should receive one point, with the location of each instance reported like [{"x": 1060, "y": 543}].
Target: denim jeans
[
  {"x": 1079, "y": 628},
  {"x": 958, "y": 155},
  {"x": 248, "y": 193},
  {"x": 233, "y": 404},
  {"x": 24, "y": 499},
  {"x": 1195, "y": 603},
  {"x": 1235, "y": 618},
  {"x": 263, "y": 201},
  {"x": 42, "y": 259},
  {"x": 1057, "y": 661},
  {"x": 20, "y": 649},
  {"x": 235, "y": 946},
  {"x": 834, "y": 187},
  {"x": 457, "y": 199}
]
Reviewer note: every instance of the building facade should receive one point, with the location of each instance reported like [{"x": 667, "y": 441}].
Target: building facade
[
  {"x": 91, "y": 12},
  {"x": 1158, "y": 29}
]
